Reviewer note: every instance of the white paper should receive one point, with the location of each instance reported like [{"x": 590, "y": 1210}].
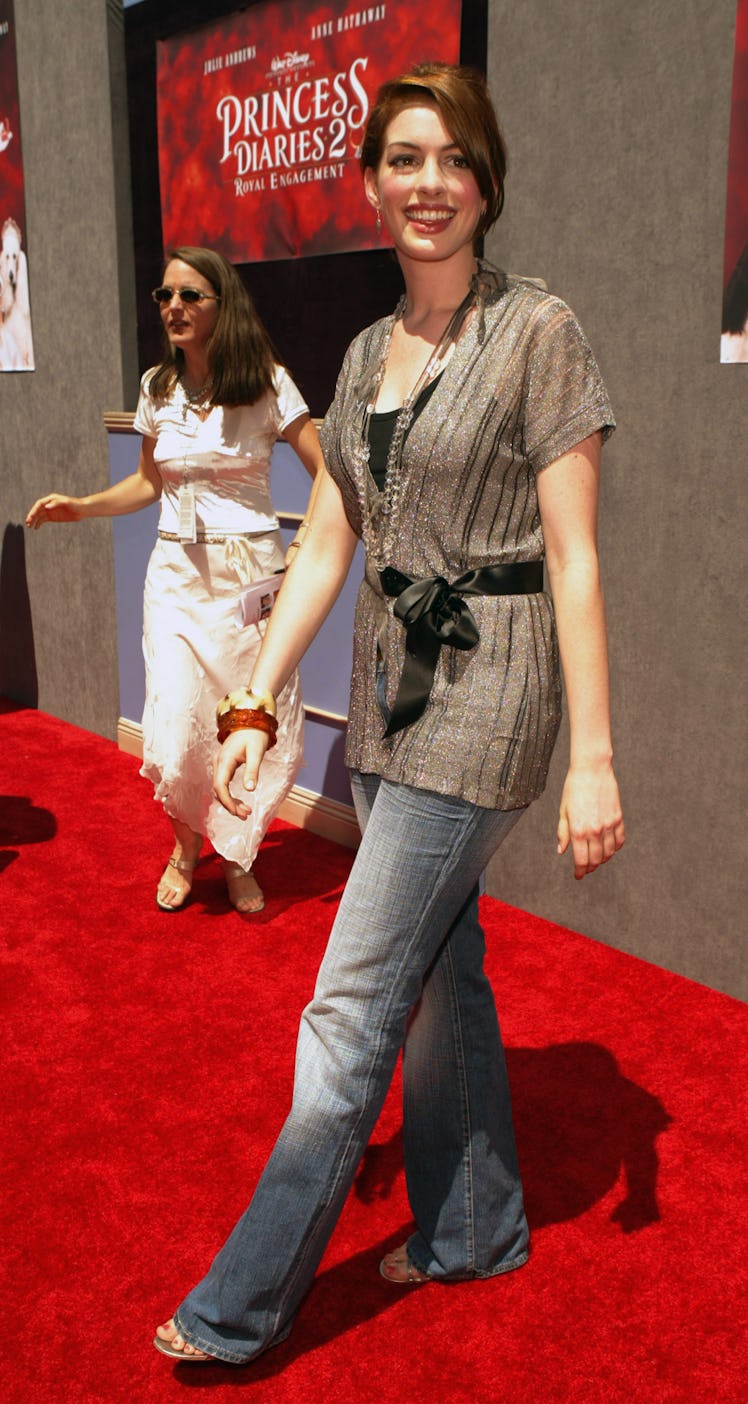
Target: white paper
[{"x": 256, "y": 602}]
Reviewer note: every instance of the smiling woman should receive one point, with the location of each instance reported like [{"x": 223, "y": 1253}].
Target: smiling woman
[
  {"x": 463, "y": 447},
  {"x": 423, "y": 187}
]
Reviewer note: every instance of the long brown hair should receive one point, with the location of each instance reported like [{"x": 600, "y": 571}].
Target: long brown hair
[
  {"x": 240, "y": 354},
  {"x": 463, "y": 100}
]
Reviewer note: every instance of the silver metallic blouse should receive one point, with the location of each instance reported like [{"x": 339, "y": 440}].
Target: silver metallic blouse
[{"x": 521, "y": 388}]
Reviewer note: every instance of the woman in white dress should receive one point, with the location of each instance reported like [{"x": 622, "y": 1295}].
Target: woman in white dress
[{"x": 209, "y": 416}]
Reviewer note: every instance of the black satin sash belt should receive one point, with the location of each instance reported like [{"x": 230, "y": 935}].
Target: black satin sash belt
[{"x": 434, "y": 614}]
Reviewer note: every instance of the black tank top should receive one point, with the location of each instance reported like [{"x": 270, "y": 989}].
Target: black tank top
[{"x": 381, "y": 427}]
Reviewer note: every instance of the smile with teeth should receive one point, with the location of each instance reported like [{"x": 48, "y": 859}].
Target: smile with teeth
[{"x": 429, "y": 216}]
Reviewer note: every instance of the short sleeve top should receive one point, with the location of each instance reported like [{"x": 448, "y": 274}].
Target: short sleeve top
[
  {"x": 521, "y": 388},
  {"x": 225, "y": 456}
]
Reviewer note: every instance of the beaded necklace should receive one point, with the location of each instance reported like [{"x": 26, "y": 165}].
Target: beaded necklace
[{"x": 196, "y": 400}]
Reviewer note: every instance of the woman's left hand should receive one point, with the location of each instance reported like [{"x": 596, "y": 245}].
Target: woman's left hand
[{"x": 590, "y": 818}]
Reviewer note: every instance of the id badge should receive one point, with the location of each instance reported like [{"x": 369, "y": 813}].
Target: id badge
[{"x": 187, "y": 523}]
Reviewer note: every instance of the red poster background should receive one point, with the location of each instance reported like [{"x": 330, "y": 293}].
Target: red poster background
[
  {"x": 16, "y": 350},
  {"x": 736, "y": 224},
  {"x": 260, "y": 116}
]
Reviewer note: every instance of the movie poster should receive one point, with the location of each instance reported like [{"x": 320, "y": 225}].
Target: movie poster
[
  {"x": 734, "y": 341},
  {"x": 260, "y": 117},
  {"x": 16, "y": 347}
]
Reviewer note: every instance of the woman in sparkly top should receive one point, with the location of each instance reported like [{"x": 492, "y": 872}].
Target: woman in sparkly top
[
  {"x": 463, "y": 448},
  {"x": 209, "y": 416}
]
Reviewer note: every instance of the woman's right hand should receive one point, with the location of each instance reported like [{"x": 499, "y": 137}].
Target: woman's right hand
[
  {"x": 55, "y": 507},
  {"x": 245, "y": 747}
]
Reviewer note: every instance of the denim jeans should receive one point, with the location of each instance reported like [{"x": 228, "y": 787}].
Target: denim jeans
[{"x": 403, "y": 970}]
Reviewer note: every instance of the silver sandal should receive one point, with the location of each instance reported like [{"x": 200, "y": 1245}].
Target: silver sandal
[{"x": 413, "y": 1277}]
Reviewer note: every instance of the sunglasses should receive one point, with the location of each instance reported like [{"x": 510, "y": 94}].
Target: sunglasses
[{"x": 186, "y": 295}]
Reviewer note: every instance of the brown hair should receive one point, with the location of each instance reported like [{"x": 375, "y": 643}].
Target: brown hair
[
  {"x": 463, "y": 101},
  {"x": 241, "y": 356}
]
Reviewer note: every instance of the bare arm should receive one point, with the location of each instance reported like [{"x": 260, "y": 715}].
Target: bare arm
[
  {"x": 139, "y": 489},
  {"x": 302, "y": 435},
  {"x": 307, "y": 595},
  {"x": 590, "y": 815},
  {"x": 304, "y": 440}
]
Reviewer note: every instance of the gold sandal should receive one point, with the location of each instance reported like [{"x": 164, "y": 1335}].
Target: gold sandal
[
  {"x": 182, "y": 865},
  {"x": 234, "y": 873}
]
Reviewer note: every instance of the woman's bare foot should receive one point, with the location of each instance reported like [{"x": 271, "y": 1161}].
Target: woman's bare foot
[
  {"x": 168, "y": 1340},
  {"x": 176, "y": 881},
  {"x": 245, "y": 893},
  {"x": 397, "y": 1267}
]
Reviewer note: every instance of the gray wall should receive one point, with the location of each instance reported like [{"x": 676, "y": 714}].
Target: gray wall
[
  {"x": 58, "y": 622},
  {"x": 617, "y": 118}
]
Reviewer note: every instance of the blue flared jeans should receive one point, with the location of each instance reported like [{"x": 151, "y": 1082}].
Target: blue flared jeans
[{"x": 403, "y": 970}]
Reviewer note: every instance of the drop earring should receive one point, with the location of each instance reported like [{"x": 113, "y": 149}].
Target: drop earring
[{"x": 379, "y": 222}]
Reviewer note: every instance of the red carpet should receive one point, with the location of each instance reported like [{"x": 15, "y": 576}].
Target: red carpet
[{"x": 148, "y": 1067}]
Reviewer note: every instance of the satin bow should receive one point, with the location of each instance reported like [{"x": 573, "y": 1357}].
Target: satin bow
[{"x": 435, "y": 614}]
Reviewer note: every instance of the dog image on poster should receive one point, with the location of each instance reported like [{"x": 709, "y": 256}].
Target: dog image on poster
[{"x": 16, "y": 346}]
